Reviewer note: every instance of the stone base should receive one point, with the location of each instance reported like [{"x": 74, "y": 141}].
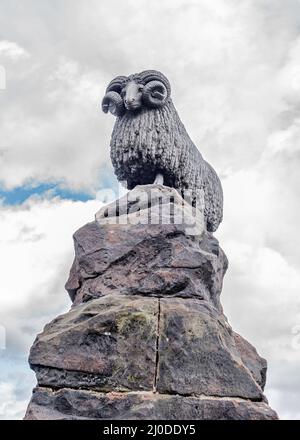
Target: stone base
[
  {"x": 161, "y": 251},
  {"x": 132, "y": 343},
  {"x": 146, "y": 337},
  {"x": 122, "y": 357},
  {"x": 69, "y": 404}
]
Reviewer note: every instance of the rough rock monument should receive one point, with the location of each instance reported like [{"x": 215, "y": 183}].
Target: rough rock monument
[{"x": 146, "y": 337}]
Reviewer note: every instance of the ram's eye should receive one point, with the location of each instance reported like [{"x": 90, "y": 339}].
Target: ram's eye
[
  {"x": 123, "y": 93},
  {"x": 140, "y": 88}
]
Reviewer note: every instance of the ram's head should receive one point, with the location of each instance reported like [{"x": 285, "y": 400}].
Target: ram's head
[{"x": 146, "y": 89}]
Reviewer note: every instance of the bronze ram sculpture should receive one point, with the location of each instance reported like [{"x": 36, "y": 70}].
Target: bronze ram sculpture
[{"x": 149, "y": 143}]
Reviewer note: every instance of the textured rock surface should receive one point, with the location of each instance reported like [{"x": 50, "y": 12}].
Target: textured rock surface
[
  {"x": 109, "y": 343},
  {"x": 68, "y": 404},
  {"x": 198, "y": 354},
  {"x": 124, "y": 343},
  {"x": 147, "y": 259},
  {"x": 146, "y": 336}
]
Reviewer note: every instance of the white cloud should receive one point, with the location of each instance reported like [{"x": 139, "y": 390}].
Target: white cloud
[
  {"x": 261, "y": 289},
  {"x": 12, "y": 50},
  {"x": 11, "y": 407},
  {"x": 60, "y": 139},
  {"x": 289, "y": 76},
  {"x": 35, "y": 259},
  {"x": 275, "y": 396},
  {"x": 37, "y": 228}
]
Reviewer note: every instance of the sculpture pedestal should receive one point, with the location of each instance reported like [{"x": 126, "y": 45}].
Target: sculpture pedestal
[{"x": 146, "y": 337}]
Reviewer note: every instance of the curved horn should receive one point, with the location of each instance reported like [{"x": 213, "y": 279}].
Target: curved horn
[
  {"x": 113, "y": 102},
  {"x": 116, "y": 84},
  {"x": 154, "y": 75},
  {"x": 154, "y": 94}
]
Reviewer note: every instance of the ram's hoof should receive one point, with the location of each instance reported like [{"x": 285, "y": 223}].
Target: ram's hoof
[{"x": 159, "y": 179}]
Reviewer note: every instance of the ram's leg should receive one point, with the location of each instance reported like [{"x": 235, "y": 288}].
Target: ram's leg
[{"x": 159, "y": 179}]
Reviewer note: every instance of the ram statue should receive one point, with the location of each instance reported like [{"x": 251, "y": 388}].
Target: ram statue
[{"x": 149, "y": 143}]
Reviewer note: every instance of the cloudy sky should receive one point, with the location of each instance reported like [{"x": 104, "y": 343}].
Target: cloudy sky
[{"x": 234, "y": 66}]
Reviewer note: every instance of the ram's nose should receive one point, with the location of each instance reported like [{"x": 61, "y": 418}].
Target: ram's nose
[{"x": 129, "y": 101}]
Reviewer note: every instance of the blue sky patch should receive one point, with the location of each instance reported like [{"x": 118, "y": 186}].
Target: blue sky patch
[{"x": 18, "y": 195}]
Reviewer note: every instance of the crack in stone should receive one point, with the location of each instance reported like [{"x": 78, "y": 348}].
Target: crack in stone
[
  {"x": 149, "y": 393},
  {"x": 157, "y": 349}
]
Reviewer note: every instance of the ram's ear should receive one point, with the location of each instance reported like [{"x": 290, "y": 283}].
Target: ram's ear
[
  {"x": 155, "y": 94},
  {"x": 113, "y": 102}
]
